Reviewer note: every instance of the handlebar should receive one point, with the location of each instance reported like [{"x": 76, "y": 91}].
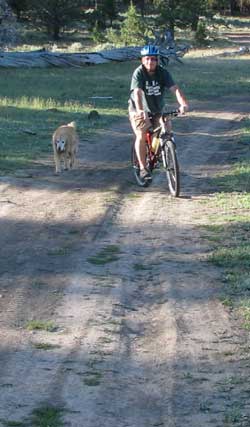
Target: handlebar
[
  {"x": 172, "y": 113},
  {"x": 166, "y": 114}
]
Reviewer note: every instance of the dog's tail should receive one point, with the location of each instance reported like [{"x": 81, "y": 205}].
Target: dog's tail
[{"x": 72, "y": 125}]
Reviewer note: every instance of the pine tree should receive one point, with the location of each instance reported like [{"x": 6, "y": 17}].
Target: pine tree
[
  {"x": 54, "y": 15},
  {"x": 132, "y": 29},
  {"x": 8, "y": 28}
]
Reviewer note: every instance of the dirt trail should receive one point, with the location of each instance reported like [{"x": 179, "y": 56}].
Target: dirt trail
[{"x": 141, "y": 340}]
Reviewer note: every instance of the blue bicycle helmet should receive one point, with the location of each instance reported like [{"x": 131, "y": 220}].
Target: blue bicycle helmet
[{"x": 150, "y": 50}]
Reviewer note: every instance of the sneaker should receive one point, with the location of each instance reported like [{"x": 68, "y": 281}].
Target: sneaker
[{"x": 145, "y": 174}]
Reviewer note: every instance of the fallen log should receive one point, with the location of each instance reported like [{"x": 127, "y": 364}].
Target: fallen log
[{"x": 43, "y": 58}]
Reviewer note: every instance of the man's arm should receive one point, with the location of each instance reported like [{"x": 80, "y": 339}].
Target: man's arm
[
  {"x": 138, "y": 97},
  {"x": 175, "y": 90}
]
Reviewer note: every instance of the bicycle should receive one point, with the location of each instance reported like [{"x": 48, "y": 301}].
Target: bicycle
[{"x": 164, "y": 153}]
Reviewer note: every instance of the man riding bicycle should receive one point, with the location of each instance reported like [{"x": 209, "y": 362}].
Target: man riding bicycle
[{"x": 148, "y": 85}]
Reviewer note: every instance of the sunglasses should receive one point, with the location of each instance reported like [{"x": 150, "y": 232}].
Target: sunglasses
[{"x": 151, "y": 58}]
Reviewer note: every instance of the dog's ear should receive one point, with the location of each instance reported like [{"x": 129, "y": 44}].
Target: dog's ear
[{"x": 72, "y": 125}]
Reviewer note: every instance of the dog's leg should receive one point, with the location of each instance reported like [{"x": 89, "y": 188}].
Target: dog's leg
[
  {"x": 72, "y": 160},
  {"x": 58, "y": 164},
  {"x": 66, "y": 165}
]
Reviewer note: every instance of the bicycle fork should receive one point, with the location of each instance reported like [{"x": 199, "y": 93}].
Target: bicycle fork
[{"x": 164, "y": 143}]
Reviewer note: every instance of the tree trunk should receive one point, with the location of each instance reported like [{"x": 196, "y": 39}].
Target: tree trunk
[
  {"x": 234, "y": 7},
  {"x": 194, "y": 24},
  {"x": 142, "y": 7},
  {"x": 56, "y": 32}
]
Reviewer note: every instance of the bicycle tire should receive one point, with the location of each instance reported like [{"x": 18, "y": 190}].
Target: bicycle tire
[
  {"x": 136, "y": 168},
  {"x": 172, "y": 168}
]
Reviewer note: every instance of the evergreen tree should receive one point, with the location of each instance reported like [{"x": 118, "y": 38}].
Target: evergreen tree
[
  {"x": 18, "y": 6},
  {"x": 181, "y": 13},
  {"x": 132, "y": 28},
  {"x": 169, "y": 11},
  {"x": 8, "y": 28},
  {"x": 109, "y": 10},
  {"x": 54, "y": 15}
]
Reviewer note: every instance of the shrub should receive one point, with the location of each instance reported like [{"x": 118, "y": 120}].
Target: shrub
[{"x": 201, "y": 34}]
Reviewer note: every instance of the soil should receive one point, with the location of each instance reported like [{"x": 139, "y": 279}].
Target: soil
[{"x": 137, "y": 334}]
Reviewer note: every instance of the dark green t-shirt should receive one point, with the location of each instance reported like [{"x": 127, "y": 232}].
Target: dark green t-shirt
[{"x": 153, "y": 86}]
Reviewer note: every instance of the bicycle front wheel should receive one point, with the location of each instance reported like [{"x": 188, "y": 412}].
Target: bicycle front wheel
[
  {"x": 136, "y": 168},
  {"x": 172, "y": 168}
]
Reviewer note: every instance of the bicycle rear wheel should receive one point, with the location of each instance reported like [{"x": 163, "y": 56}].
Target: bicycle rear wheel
[
  {"x": 136, "y": 169},
  {"x": 172, "y": 168}
]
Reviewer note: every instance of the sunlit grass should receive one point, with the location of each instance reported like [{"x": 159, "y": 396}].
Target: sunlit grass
[
  {"x": 33, "y": 103},
  {"x": 39, "y": 325},
  {"x": 209, "y": 77},
  {"x": 229, "y": 230},
  {"x": 39, "y": 100},
  {"x": 232, "y": 253},
  {"x": 37, "y": 103}
]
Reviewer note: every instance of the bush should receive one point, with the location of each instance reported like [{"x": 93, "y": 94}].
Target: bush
[
  {"x": 201, "y": 34},
  {"x": 113, "y": 36},
  {"x": 97, "y": 34}
]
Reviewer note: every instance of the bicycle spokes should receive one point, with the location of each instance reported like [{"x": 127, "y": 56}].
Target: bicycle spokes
[{"x": 172, "y": 168}]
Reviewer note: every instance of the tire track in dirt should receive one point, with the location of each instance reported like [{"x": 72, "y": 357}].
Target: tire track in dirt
[{"x": 142, "y": 340}]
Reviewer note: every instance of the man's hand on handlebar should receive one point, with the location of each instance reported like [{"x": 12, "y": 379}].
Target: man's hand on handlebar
[{"x": 183, "y": 109}]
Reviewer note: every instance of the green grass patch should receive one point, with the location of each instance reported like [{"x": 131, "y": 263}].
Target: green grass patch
[
  {"x": 45, "y": 346},
  {"x": 233, "y": 416},
  {"x": 229, "y": 232},
  {"x": 212, "y": 76},
  {"x": 12, "y": 423},
  {"x": 237, "y": 180},
  {"x": 38, "y": 325},
  {"x": 93, "y": 379},
  {"x": 47, "y": 416},
  {"x": 245, "y": 310},
  {"x": 134, "y": 195},
  {"x": 232, "y": 257},
  {"x": 141, "y": 267},
  {"x": 106, "y": 255},
  {"x": 227, "y": 302}
]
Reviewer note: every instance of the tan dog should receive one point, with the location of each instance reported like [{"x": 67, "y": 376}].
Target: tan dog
[{"x": 65, "y": 145}]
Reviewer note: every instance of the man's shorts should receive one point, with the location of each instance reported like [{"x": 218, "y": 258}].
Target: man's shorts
[{"x": 138, "y": 123}]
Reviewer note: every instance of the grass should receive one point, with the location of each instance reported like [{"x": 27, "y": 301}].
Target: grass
[
  {"x": 141, "y": 267},
  {"x": 45, "y": 346},
  {"x": 93, "y": 379},
  {"x": 47, "y": 416},
  {"x": 233, "y": 416},
  {"x": 229, "y": 232},
  {"x": 12, "y": 423},
  {"x": 106, "y": 255},
  {"x": 38, "y": 325},
  {"x": 34, "y": 102}
]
